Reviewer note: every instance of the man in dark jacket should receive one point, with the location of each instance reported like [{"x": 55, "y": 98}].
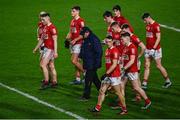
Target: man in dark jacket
[{"x": 91, "y": 54}]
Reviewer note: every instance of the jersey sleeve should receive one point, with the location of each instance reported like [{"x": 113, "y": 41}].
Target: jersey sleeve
[
  {"x": 136, "y": 40},
  {"x": 132, "y": 51},
  {"x": 157, "y": 28},
  {"x": 53, "y": 30},
  {"x": 81, "y": 23},
  {"x": 115, "y": 54}
]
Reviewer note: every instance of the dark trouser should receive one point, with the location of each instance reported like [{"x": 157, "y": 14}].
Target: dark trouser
[{"x": 91, "y": 76}]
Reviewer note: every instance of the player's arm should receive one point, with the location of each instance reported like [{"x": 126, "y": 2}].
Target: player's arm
[
  {"x": 143, "y": 47},
  {"x": 129, "y": 64},
  {"x": 38, "y": 45},
  {"x": 38, "y": 38},
  {"x": 68, "y": 36},
  {"x": 54, "y": 37},
  {"x": 113, "y": 66},
  {"x": 158, "y": 36}
]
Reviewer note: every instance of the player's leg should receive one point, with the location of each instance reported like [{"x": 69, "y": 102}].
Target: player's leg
[
  {"x": 96, "y": 80},
  {"x": 43, "y": 64},
  {"x": 121, "y": 98},
  {"x": 101, "y": 97},
  {"x": 53, "y": 73},
  {"x": 123, "y": 85},
  {"x": 147, "y": 64},
  {"x": 163, "y": 72},
  {"x": 78, "y": 67},
  {"x": 134, "y": 81}
]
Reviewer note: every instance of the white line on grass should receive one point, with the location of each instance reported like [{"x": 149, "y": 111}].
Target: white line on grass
[
  {"x": 171, "y": 28},
  {"x": 41, "y": 102}
]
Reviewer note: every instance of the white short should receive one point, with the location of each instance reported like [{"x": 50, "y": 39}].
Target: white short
[
  {"x": 131, "y": 75},
  {"x": 75, "y": 48},
  {"x": 112, "y": 80},
  {"x": 48, "y": 54},
  {"x": 157, "y": 54}
]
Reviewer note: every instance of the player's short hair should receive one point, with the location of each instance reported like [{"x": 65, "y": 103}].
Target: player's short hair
[
  {"x": 145, "y": 15},
  {"x": 42, "y": 12},
  {"x": 84, "y": 30},
  {"x": 109, "y": 37},
  {"x": 126, "y": 34},
  {"x": 107, "y": 14},
  {"x": 76, "y": 8},
  {"x": 117, "y": 7},
  {"x": 114, "y": 23},
  {"x": 45, "y": 15},
  {"x": 124, "y": 26}
]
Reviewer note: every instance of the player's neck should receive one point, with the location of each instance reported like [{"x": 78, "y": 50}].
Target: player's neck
[
  {"x": 49, "y": 23},
  {"x": 111, "y": 22},
  {"x": 76, "y": 17},
  {"x": 152, "y": 21}
]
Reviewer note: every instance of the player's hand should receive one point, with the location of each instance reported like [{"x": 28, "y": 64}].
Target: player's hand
[
  {"x": 104, "y": 76},
  {"x": 34, "y": 51},
  {"x": 55, "y": 55},
  {"x": 122, "y": 71},
  {"x": 73, "y": 42}
]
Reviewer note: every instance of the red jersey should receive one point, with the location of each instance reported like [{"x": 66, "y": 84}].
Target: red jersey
[
  {"x": 135, "y": 40},
  {"x": 122, "y": 20},
  {"x": 116, "y": 38},
  {"x": 75, "y": 28},
  {"x": 127, "y": 52},
  {"x": 48, "y": 32},
  {"x": 40, "y": 29},
  {"x": 110, "y": 55},
  {"x": 151, "y": 30}
]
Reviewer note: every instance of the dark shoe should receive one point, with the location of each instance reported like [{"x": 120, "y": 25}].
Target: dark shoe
[
  {"x": 94, "y": 110},
  {"x": 75, "y": 82},
  {"x": 54, "y": 85},
  {"x": 44, "y": 85},
  {"x": 146, "y": 106},
  {"x": 166, "y": 85},
  {"x": 83, "y": 99}
]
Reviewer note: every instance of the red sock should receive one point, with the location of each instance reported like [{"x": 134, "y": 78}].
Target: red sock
[
  {"x": 145, "y": 80},
  {"x": 98, "y": 107},
  {"x": 123, "y": 107},
  {"x": 147, "y": 101},
  {"x": 46, "y": 82}
]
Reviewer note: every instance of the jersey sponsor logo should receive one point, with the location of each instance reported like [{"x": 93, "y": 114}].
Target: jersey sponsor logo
[
  {"x": 73, "y": 30},
  {"x": 108, "y": 60},
  {"x": 125, "y": 57},
  {"x": 149, "y": 34}
]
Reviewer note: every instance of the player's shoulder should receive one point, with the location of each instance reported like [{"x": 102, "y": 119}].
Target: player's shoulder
[
  {"x": 132, "y": 46},
  {"x": 156, "y": 24},
  {"x": 52, "y": 25},
  {"x": 115, "y": 49},
  {"x": 81, "y": 19}
]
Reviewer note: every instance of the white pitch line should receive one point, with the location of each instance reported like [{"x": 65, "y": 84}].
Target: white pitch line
[
  {"x": 41, "y": 102},
  {"x": 171, "y": 28}
]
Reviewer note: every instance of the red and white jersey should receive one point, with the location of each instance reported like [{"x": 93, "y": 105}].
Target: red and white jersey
[
  {"x": 116, "y": 38},
  {"x": 75, "y": 28},
  {"x": 40, "y": 29},
  {"x": 122, "y": 20},
  {"x": 127, "y": 52},
  {"x": 151, "y": 30},
  {"x": 135, "y": 40},
  {"x": 48, "y": 32},
  {"x": 110, "y": 55}
]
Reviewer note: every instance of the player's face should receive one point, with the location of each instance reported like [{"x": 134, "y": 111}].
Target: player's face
[
  {"x": 125, "y": 30},
  {"x": 44, "y": 20},
  {"x": 116, "y": 29},
  {"x": 146, "y": 20},
  {"x": 116, "y": 12},
  {"x": 125, "y": 40},
  {"x": 107, "y": 19},
  {"x": 109, "y": 42},
  {"x": 74, "y": 12},
  {"x": 86, "y": 34}
]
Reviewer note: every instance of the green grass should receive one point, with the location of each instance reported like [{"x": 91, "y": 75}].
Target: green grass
[{"x": 19, "y": 68}]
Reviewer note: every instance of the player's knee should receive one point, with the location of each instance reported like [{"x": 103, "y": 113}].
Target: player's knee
[
  {"x": 146, "y": 66},
  {"x": 159, "y": 66},
  {"x": 42, "y": 65},
  {"x": 51, "y": 67},
  {"x": 101, "y": 92},
  {"x": 74, "y": 62},
  {"x": 136, "y": 88}
]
